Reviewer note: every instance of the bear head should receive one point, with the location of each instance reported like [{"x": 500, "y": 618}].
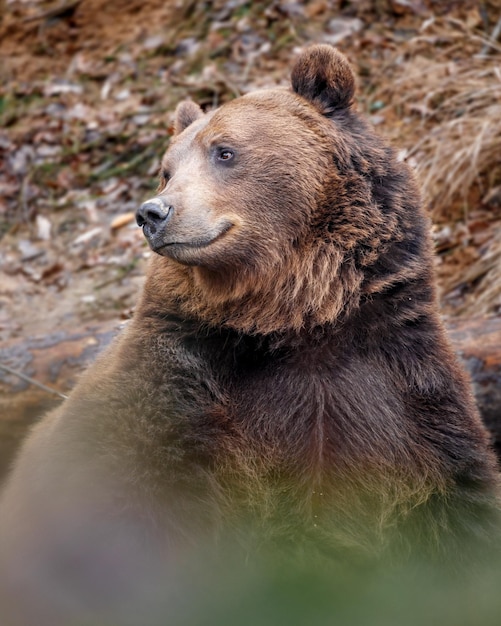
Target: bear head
[{"x": 272, "y": 207}]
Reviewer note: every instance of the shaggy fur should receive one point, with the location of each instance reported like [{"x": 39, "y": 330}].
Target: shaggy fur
[{"x": 286, "y": 376}]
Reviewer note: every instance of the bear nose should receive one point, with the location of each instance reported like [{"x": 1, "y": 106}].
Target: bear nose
[{"x": 153, "y": 214}]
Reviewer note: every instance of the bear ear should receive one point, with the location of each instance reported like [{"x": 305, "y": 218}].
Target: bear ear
[
  {"x": 186, "y": 113},
  {"x": 323, "y": 76}
]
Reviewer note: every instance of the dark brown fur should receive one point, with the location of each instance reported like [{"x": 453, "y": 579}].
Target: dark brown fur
[{"x": 286, "y": 375}]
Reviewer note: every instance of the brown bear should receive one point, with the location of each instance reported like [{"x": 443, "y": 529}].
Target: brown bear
[{"x": 286, "y": 377}]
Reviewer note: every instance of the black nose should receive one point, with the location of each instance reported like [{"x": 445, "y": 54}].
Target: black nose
[{"x": 153, "y": 214}]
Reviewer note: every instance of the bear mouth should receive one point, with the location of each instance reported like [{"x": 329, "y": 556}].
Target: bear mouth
[{"x": 168, "y": 248}]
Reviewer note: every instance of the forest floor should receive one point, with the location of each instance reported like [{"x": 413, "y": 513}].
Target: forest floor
[{"x": 86, "y": 98}]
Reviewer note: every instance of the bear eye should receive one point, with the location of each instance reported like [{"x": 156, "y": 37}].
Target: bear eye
[
  {"x": 164, "y": 179},
  {"x": 224, "y": 154}
]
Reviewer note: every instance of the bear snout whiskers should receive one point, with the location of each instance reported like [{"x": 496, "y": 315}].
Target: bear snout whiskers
[{"x": 153, "y": 214}]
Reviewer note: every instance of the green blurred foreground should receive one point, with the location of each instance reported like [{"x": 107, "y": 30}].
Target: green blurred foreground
[{"x": 414, "y": 595}]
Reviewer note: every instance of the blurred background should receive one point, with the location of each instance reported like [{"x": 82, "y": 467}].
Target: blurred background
[{"x": 87, "y": 92}]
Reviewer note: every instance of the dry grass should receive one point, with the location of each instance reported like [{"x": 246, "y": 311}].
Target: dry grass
[
  {"x": 444, "y": 79},
  {"x": 486, "y": 274},
  {"x": 462, "y": 146}
]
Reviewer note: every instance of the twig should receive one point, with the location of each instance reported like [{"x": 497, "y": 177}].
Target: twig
[
  {"x": 32, "y": 381},
  {"x": 60, "y": 11},
  {"x": 492, "y": 39}
]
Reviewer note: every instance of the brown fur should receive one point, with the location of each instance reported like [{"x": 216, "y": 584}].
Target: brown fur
[{"x": 286, "y": 376}]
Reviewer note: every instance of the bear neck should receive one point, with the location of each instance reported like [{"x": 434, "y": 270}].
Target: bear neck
[{"x": 301, "y": 292}]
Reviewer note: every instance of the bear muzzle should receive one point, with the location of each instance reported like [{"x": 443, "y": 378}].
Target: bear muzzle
[{"x": 178, "y": 232}]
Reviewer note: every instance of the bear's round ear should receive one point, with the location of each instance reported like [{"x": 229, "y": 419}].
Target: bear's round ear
[
  {"x": 186, "y": 113},
  {"x": 323, "y": 76}
]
